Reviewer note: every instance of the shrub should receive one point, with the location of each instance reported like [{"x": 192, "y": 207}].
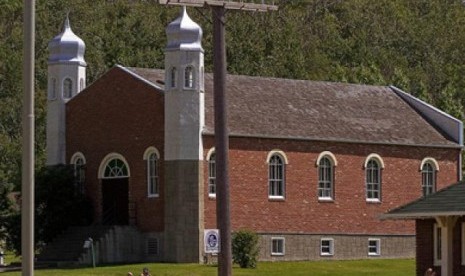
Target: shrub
[
  {"x": 245, "y": 248},
  {"x": 58, "y": 205}
]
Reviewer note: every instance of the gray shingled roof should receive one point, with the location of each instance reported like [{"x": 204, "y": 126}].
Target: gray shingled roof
[
  {"x": 446, "y": 202},
  {"x": 315, "y": 110}
]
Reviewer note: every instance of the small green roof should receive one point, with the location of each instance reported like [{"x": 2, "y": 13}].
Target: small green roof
[{"x": 449, "y": 201}]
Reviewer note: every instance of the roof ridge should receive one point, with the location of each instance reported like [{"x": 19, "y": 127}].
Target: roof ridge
[{"x": 279, "y": 78}]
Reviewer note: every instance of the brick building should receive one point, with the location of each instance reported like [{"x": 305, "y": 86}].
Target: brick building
[{"x": 312, "y": 164}]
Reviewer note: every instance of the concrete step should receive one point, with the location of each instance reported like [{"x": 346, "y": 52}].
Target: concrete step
[{"x": 68, "y": 246}]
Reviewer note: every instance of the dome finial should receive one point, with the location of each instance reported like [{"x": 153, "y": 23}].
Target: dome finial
[{"x": 67, "y": 25}]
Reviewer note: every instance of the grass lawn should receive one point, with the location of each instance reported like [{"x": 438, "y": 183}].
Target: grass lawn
[{"x": 396, "y": 267}]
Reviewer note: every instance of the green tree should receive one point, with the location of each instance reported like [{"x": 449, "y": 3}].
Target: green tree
[
  {"x": 5, "y": 210},
  {"x": 58, "y": 206}
]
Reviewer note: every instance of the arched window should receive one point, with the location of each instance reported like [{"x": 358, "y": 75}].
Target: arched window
[
  {"x": 115, "y": 168},
  {"x": 152, "y": 157},
  {"x": 81, "y": 84},
  {"x": 79, "y": 165},
  {"x": 276, "y": 176},
  {"x": 373, "y": 180},
  {"x": 428, "y": 178},
  {"x": 67, "y": 88},
  {"x": 173, "y": 77},
  {"x": 325, "y": 178},
  {"x": 152, "y": 175},
  {"x": 53, "y": 89},
  {"x": 189, "y": 77},
  {"x": 212, "y": 175}
]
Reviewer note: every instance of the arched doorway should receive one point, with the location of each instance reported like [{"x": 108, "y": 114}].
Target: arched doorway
[{"x": 115, "y": 175}]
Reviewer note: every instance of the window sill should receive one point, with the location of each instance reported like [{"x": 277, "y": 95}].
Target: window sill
[
  {"x": 374, "y": 254},
  {"x": 212, "y": 196},
  {"x": 276, "y": 198},
  {"x": 326, "y": 254},
  {"x": 325, "y": 200},
  {"x": 376, "y": 201},
  {"x": 153, "y": 196},
  {"x": 277, "y": 254}
]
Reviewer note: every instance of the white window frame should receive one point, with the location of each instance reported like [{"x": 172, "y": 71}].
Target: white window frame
[
  {"x": 380, "y": 163},
  {"x": 153, "y": 181},
  {"x": 79, "y": 167},
  {"x": 105, "y": 162},
  {"x": 116, "y": 168},
  {"x": 189, "y": 77},
  {"x": 211, "y": 173},
  {"x": 173, "y": 76},
  {"x": 377, "y": 247},
  {"x": 81, "y": 84},
  {"x": 437, "y": 244},
  {"x": 323, "y": 180},
  {"x": 428, "y": 177},
  {"x": 276, "y": 176},
  {"x": 67, "y": 87},
  {"x": 279, "y": 240},
  {"x": 330, "y": 247}
]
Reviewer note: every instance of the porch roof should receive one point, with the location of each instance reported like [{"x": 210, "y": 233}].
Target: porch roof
[{"x": 449, "y": 201}]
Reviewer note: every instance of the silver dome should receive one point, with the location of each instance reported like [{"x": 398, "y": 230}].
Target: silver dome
[
  {"x": 67, "y": 47},
  {"x": 184, "y": 34}
]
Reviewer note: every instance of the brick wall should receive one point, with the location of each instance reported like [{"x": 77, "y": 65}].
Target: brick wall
[
  {"x": 301, "y": 212},
  {"x": 96, "y": 126}
]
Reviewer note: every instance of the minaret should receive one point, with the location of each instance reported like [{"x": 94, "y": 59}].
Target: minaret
[
  {"x": 184, "y": 120},
  {"x": 66, "y": 78}
]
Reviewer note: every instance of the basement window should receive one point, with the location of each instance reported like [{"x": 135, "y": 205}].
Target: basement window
[
  {"x": 374, "y": 247},
  {"x": 277, "y": 246},
  {"x": 327, "y": 247}
]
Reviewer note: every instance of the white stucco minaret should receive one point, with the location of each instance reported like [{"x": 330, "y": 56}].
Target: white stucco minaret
[
  {"x": 66, "y": 78},
  {"x": 184, "y": 86},
  {"x": 183, "y": 154}
]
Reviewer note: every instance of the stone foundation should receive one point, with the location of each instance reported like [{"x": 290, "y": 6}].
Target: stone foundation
[{"x": 302, "y": 247}]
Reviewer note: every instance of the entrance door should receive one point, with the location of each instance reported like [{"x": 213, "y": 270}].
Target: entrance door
[{"x": 115, "y": 209}]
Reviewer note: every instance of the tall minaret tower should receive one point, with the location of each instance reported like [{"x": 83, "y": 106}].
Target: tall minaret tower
[
  {"x": 184, "y": 120},
  {"x": 66, "y": 78}
]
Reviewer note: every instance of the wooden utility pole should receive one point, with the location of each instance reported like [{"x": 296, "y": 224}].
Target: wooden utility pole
[{"x": 221, "y": 119}]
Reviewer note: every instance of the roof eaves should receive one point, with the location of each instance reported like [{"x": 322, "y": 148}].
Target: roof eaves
[
  {"x": 420, "y": 215},
  {"x": 401, "y": 212},
  {"x": 140, "y": 77},
  {"x": 349, "y": 141}
]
